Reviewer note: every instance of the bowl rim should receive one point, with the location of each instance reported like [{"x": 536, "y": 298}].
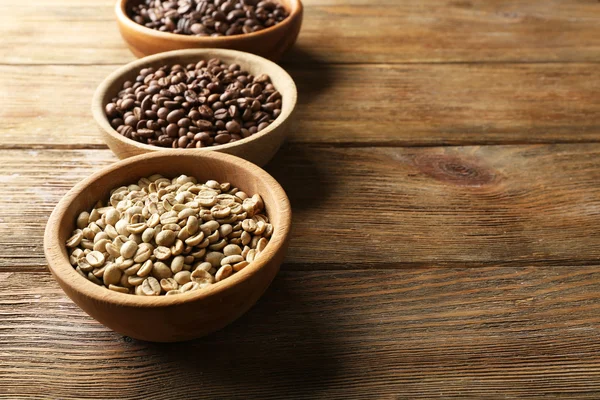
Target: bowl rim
[
  {"x": 99, "y": 115},
  {"x": 296, "y": 9},
  {"x": 64, "y": 273}
]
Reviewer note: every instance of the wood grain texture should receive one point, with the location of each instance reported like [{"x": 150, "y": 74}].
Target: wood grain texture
[
  {"x": 376, "y": 299},
  {"x": 356, "y": 32},
  {"x": 348, "y": 104},
  {"x": 410, "y": 334},
  {"x": 374, "y": 207}
]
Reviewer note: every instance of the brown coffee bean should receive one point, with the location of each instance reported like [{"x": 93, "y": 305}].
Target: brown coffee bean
[
  {"x": 194, "y": 115},
  {"x": 198, "y": 28},
  {"x": 115, "y": 123},
  {"x": 172, "y": 130},
  {"x": 127, "y": 104},
  {"x": 213, "y": 98},
  {"x": 183, "y": 142},
  {"x": 268, "y": 107},
  {"x": 245, "y": 133},
  {"x": 146, "y": 103},
  {"x": 184, "y": 9},
  {"x": 162, "y": 113},
  {"x": 233, "y": 111},
  {"x": 145, "y": 133},
  {"x": 247, "y": 115},
  {"x": 184, "y": 122},
  {"x": 233, "y": 127},
  {"x": 256, "y": 89},
  {"x": 213, "y": 86},
  {"x": 202, "y": 136},
  {"x": 111, "y": 110},
  {"x": 221, "y": 114},
  {"x": 222, "y": 138},
  {"x": 205, "y": 112},
  {"x": 218, "y": 105},
  {"x": 175, "y": 116}
]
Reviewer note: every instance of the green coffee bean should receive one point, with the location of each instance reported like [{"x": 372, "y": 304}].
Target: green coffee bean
[{"x": 168, "y": 236}]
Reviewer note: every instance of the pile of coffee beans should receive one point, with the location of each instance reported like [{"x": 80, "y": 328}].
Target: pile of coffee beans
[
  {"x": 205, "y": 104},
  {"x": 163, "y": 236},
  {"x": 208, "y": 17}
]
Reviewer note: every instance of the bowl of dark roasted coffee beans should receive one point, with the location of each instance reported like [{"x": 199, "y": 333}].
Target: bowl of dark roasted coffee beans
[
  {"x": 200, "y": 100},
  {"x": 264, "y": 27}
]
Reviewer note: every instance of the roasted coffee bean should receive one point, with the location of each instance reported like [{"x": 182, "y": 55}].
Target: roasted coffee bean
[
  {"x": 162, "y": 113},
  {"x": 127, "y": 104},
  {"x": 221, "y": 114},
  {"x": 206, "y": 104},
  {"x": 175, "y": 116},
  {"x": 222, "y": 138},
  {"x": 111, "y": 110},
  {"x": 233, "y": 127}
]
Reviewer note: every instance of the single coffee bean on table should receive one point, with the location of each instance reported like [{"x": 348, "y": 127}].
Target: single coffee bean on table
[
  {"x": 209, "y": 103},
  {"x": 208, "y": 17},
  {"x": 163, "y": 236}
]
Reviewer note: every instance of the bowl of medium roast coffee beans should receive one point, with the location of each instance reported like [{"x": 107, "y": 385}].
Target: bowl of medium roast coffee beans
[
  {"x": 264, "y": 27},
  {"x": 169, "y": 246},
  {"x": 202, "y": 99}
]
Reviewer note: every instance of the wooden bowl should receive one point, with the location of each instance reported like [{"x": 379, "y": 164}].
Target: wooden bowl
[
  {"x": 270, "y": 43},
  {"x": 258, "y": 148},
  {"x": 188, "y": 315}
]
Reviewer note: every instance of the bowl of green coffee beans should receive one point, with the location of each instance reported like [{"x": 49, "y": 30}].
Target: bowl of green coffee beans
[{"x": 169, "y": 246}]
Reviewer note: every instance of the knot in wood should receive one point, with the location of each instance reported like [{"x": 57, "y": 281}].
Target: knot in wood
[{"x": 455, "y": 170}]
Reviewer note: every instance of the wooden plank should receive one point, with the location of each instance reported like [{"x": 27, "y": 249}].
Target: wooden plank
[
  {"x": 374, "y": 207},
  {"x": 409, "y": 334},
  {"x": 349, "y": 104},
  {"x": 60, "y": 31}
]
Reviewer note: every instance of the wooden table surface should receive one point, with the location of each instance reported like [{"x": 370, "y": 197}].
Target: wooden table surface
[{"x": 444, "y": 175}]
